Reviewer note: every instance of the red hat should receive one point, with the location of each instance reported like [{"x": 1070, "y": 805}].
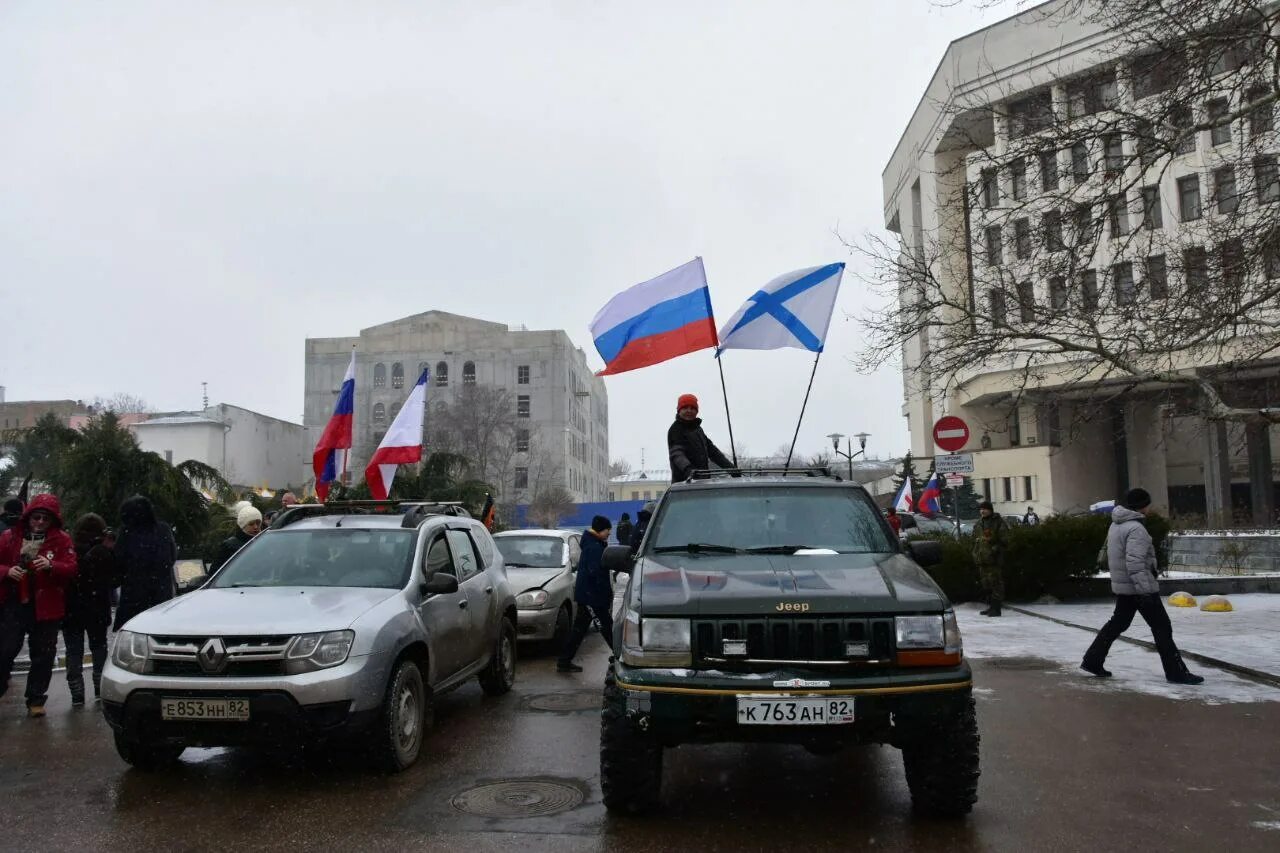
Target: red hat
[{"x": 687, "y": 400}]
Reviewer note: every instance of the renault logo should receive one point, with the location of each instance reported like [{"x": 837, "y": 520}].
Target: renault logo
[{"x": 212, "y": 655}]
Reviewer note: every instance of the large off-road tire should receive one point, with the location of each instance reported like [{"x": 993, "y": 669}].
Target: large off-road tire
[
  {"x": 940, "y": 756},
  {"x": 499, "y": 676},
  {"x": 630, "y": 759},
  {"x": 147, "y": 756},
  {"x": 395, "y": 741}
]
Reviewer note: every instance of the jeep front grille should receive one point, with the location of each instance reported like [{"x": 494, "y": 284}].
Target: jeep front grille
[{"x": 818, "y": 640}]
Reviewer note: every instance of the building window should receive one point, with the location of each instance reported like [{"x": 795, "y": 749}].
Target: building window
[
  {"x": 995, "y": 254},
  {"x": 1215, "y": 111},
  {"x": 1113, "y": 154},
  {"x": 1089, "y": 290},
  {"x": 522, "y": 478},
  {"x": 1058, "y": 293},
  {"x": 522, "y": 441},
  {"x": 397, "y": 375},
  {"x": 1091, "y": 95},
  {"x": 1224, "y": 189},
  {"x": 1266, "y": 178},
  {"x": 1015, "y": 427},
  {"x": 1117, "y": 216},
  {"x": 988, "y": 189},
  {"x": 1080, "y": 162},
  {"x": 379, "y": 413},
  {"x": 1232, "y": 263},
  {"x": 1122, "y": 282},
  {"x": 1183, "y": 121},
  {"x": 1262, "y": 118},
  {"x": 1151, "y": 215},
  {"x": 1048, "y": 170},
  {"x": 468, "y": 373},
  {"x": 648, "y": 495},
  {"x": 395, "y": 410},
  {"x": 1028, "y": 490},
  {"x": 1271, "y": 255},
  {"x": 1030, "y": 115},
  {"x": 522, "y": 405},
  {"x": 1158, "y": 72},
  {"x": 635, "y": 496},
  {"x": 1052, "y": 225},
  {"x": 1144, "y": 143},
  {"x": 613, "y": 496},
  {"x": 1018, "y": 179},
  {"x": 442, "y": 373},
  {"x": 1083, "y": 221},
  {"x": 995, "y": 300},
  {"x": 378, "y": 435},
  {"x": 1026, "y": 302},
  {"x": 1022, "y": 239},
  {"x": 1189, "y": 198},
  {"x": 379, "y": 375},
  {"x": 522, "y": 374},
  {"x": 1157, "y": 277},
  {"x": 1195, "y": 269}
]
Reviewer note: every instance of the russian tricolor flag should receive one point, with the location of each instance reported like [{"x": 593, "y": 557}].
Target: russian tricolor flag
[
  {"x": 929, "y": 503},
  {"x": 330, "y": 458},
  {"x": 402, "y": 445},
  {"x": 656, "y": 320}
]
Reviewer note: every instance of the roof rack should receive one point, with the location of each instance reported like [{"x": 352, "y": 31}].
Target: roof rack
[
  {"x": 415, "y": 512},
  {"x": 721, "y": 473}
]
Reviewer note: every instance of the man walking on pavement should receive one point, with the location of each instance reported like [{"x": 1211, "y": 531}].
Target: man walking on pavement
[
  {"x": 1131, "y": 559},
  {"x": 592, "y": 592},
  {"x": 624, "y": 529},
  {"x": 988, "y": 555},
  {"x": 688, "y": 446}
]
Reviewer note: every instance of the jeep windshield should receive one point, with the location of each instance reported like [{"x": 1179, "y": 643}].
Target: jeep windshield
[
  {"x": 355, "y": 557},
  {"x": 531, "y": 552},
  {"x": 768, "y": 520}
]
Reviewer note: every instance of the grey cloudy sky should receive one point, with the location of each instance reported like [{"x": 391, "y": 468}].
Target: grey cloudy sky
[{"x": 189, "y": 190}]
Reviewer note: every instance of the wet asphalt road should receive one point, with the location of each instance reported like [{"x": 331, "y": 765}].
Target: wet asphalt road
[{"x": 1063, "y": 769}]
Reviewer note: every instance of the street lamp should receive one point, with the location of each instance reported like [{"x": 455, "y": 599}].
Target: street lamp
[{"x": 850, "y": 454}]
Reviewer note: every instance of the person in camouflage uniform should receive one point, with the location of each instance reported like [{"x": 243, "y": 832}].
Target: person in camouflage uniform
[{"x": 988, "y": 554}]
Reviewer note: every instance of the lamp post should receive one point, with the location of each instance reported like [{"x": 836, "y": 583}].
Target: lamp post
[{"x": 850, "y": 454}]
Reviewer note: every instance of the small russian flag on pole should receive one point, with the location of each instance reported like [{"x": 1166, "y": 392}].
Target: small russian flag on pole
[{"x": 330, "y": 457}]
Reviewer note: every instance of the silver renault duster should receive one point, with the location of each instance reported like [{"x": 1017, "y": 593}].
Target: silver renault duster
[{"x": 339, "y": 620}]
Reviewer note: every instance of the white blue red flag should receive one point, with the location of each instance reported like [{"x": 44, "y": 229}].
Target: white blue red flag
[
  {"x": 793, "y": 310},
  {"x": 905, "y": 500},
  {"x": 330, "y": 458},
  {"x": 656, "y": 320},
  {"x": 929, "y": 503},
  {"x": 402, "y": 445}
]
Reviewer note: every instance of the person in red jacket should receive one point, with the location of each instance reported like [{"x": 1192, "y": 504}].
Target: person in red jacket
[{"x": 37, "y": 562}]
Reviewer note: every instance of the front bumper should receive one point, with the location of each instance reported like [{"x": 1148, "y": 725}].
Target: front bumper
[
  {"x": 681, "y": 706},
  {"x": 537, "y": 624}
]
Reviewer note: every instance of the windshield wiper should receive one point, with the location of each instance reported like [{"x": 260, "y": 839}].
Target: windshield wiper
[
  {"x": 697, "y": 548},
  {"x": 511, "y": 565},
  {"x": 242, "y": 585},
  {"x": 778, "y": 549}
]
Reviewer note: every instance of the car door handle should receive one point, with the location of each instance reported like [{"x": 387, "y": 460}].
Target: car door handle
[
  {"x": 488, "y": 590},
  {"x": 463, "y": 604}
]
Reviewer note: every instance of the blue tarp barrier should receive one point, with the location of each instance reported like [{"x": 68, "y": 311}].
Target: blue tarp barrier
[{"x": 581, "y": 515}]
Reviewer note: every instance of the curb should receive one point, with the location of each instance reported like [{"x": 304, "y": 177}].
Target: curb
[{"x": 1267, "y": 678}]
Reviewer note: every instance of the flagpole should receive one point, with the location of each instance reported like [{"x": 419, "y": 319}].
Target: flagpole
[
  {"x": 803, "y": 406},
  {"x": 733, "y": 449}
]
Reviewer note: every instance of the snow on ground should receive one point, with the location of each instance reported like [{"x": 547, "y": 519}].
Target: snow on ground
[
  {"x": 1247, "y": 636},
  {"x": 1015, "y": 635}
]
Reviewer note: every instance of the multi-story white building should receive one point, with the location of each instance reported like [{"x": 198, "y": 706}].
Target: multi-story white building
[
  {"x": 561, "y": 407},
  {"x": 965, "y": 159}
]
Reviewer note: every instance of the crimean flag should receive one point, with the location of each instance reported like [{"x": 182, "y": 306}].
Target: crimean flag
[
  {"x": 402, "y": 445},
  {"x": 905, "y": 499},
  {"x": 330, "y": 458}
]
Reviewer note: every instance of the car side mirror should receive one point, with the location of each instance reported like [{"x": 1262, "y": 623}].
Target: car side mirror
[
  {"x": 617, "y": 558},
  {"x": 926, "y": 552},
  {"x": 441, "y": 583},
  {"x": 191, "y": 584}
]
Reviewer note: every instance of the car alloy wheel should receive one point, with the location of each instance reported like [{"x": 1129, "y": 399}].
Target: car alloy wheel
[{"x": 408, "y": 716}]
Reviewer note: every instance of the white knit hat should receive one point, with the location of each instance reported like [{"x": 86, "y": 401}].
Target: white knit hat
[{"x": 247, "y": 515}]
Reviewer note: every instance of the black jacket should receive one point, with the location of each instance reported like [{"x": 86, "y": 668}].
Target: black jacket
[
  {"x": 145, "y": 554},
  {"x": 228, "y": 548},
  {"x": 89, "y": 596},
  {"x": 623, "y": 530},
  {"x": 690, "y": 450},
  {"x": 642, "y": 524}
]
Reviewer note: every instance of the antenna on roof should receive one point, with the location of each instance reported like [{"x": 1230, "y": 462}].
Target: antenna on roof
[{"x": 205, "y": 393}]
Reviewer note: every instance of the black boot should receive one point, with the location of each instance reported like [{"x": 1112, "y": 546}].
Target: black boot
[
  {"x": 993, "y": 610},
  {"x": 77, "y": 694},
  {"x": 97, "y": 685}
]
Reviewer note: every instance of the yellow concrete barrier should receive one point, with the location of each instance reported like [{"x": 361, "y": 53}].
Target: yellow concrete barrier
[
  {"x": 1182, "y": 599},
  {"x": 1216, "y": 604}
]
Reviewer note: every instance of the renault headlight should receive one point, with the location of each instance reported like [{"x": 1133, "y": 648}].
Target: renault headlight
[
  {"x": 655, "y": 642},
  {"x": 131, "y": 651},
  {"x": 532, "y": 600},
  {"x": 919, "y": 632},
  {"x": 310, "y": 652}
]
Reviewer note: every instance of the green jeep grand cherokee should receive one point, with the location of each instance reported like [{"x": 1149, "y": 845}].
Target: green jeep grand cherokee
[{"x": 779, "y": 606}]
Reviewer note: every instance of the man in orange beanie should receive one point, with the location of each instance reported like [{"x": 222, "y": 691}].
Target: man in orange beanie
[{"x": 688, "y": 446}]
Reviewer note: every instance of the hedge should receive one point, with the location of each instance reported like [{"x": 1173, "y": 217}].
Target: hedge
[{"x": 1037, "y": 558}]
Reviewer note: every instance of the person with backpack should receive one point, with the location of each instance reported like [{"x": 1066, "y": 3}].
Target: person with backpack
[{"x": 1131, "y": 560}]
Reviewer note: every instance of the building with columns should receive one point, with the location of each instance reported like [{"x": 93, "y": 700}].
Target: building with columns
[{"x": 942, "y": 186}]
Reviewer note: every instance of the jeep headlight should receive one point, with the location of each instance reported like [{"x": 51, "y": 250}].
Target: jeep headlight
[
  {"x": 951, "y": 642},
  {"x": 919, "y": 632},
  {"x": 655, "y": 642},
  {"x": 131, "y": 651},
  {"x": 532, "y": 600},
  {"x": 310, "y": 652}
]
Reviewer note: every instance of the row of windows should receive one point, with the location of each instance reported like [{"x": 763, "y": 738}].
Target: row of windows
[
  {"x": 523, "y": 407},
  {"x": 1009, "y": 489},
  {"x": 441, "y": 374}
]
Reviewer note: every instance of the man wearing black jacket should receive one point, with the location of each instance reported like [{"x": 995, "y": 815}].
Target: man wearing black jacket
[{"x": 688, "y": 446}]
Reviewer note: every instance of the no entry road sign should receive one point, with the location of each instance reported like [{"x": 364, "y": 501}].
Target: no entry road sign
[{"x": 950, "y": 433}]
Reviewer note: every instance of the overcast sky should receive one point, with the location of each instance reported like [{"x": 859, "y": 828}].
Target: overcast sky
[{"x": 189, "y": 190}]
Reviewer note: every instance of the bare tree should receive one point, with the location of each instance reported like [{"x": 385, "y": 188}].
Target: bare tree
[
  {"x": 619, "y": 468},
  {"x": 122, "y": 403},
  {"x": 1087, "y": 257},
  {"x": 550, "y": 505}
]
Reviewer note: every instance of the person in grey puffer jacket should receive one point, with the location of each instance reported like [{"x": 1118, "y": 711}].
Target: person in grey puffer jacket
[{"x": 1131, "y": 559}]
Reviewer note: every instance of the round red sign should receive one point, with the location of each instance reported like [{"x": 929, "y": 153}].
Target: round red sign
[{"x": 950, "y": 433}]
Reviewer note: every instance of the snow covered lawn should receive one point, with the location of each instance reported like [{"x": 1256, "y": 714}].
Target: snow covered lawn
[{"x": 1015, "y": 635}]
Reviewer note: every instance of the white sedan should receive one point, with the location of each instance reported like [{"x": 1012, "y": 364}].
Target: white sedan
[{"x": 541, "y": 567}]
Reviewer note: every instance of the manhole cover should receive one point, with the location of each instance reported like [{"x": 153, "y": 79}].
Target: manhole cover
[
  {"x": 518, "y": 798},
  {"x": 1018, "y": 663},
  {"x": 583, "y": 700}
]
